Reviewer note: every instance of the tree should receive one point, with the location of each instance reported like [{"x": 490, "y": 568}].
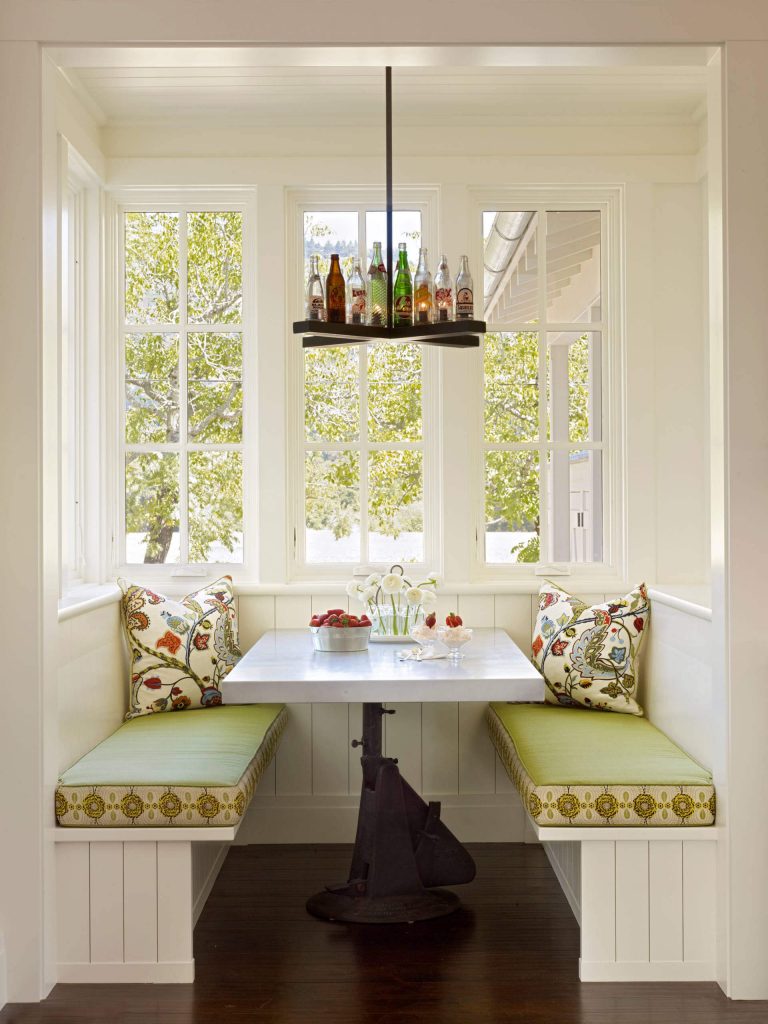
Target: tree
[{"x": 213, "y": 413}]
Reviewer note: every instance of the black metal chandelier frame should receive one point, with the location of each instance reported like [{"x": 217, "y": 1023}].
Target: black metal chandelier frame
[{"x": 446, "y": 333}]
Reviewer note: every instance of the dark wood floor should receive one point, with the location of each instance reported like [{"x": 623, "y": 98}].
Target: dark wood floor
[{"x": 510, "y": 954}]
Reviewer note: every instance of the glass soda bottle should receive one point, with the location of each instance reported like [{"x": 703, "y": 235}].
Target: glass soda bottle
[
  {"x": 423, "y": 299},
  {"x": 336, "y": 293},
  {"x": 356, "y": 295},
  {"x": 403, "y": 292},
  {"x": 465, "y": 295},
  {"x": 443, "y": 291},
  {"x": 315, "y": 305},
  {"x": 377, "y": 287}
]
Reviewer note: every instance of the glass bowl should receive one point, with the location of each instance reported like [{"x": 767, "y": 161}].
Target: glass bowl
[
  {"x": 454, "y": 638},
  {"x": 424, "y": 636}
]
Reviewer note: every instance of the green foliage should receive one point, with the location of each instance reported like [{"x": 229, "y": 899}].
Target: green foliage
[{"x": 214, "y": 380}]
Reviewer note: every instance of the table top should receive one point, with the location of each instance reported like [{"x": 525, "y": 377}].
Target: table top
[{"x": 283, "y": 666}]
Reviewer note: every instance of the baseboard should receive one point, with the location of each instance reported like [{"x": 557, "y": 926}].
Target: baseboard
[
  {"x": 478, "y": 818},
  {"x": 565, "y": 883},
  {"x": 205, "y": 890},
  {"x": 3, "y": 974},
  {"x": 671, "y": 970},
  {"x": 129, "y": 974}
]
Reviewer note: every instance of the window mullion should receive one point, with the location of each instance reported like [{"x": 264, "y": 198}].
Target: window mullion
[
  {"x": 541, "y": 268},
  {"x": 183, "y": 404},
  {"x": 364, "y": 453}
]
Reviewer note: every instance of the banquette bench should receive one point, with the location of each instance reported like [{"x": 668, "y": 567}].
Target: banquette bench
[
  {"x": 618, "y": 807},
  {"x": 144, "y": 822}
]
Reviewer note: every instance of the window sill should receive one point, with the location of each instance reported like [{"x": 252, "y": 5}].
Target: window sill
[{"x": 85, "y": 597}]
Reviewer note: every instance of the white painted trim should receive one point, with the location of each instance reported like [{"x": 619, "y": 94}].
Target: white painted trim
[
  {"x": 201, "y": 897},
  {"x": 672, "y": 970},
  {"x": 86, "y": 598},
  {"x": 700, "y": 611},
  {"x": 167, "y": 833},
  {"x": 3, "y": 974},
  {"x": 182, "y": 973},
  {"x": 630, "y": 833}
]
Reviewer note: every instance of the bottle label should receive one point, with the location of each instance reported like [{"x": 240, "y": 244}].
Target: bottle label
[
  {"x": 316, "y": 302},
  {"x": 358, "y": 300},
  {"x": 465, "y": 305},
  {"x": 443, "y": 296},
  {"x": 422, "y": 296},
  {"x": 404, "y": 304}
]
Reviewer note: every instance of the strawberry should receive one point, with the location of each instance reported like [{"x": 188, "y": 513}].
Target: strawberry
[
  {"x": 315, "y": 621},
  {"x": 336, "y": 611},
  {"x": 332, "y": 619},
  {"x": 364, "y": 620},
  {"x": 452, "y": 620},
  {"x": 431, "y": 621}
]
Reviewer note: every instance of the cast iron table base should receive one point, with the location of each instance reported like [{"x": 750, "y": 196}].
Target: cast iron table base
[{"x": 402, "y": 848}]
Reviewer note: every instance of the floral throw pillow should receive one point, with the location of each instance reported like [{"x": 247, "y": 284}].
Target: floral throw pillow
[
  {"x": 180, "y": 650},
  {"x": 589, "y": 656}
]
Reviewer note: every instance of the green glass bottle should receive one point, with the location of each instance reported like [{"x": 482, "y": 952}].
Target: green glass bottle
[{"x": 403, "y": 291}]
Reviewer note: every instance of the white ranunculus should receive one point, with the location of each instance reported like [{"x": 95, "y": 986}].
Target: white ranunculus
[
  {"x": 428, "y": 598},
  {"x": 413, "y": 596},
  {"x": 368, "y": 594},
  {"x": 353, "y": 588},
  {"x": 373, "y": 580},
  {"x": 392, "y": 583}
]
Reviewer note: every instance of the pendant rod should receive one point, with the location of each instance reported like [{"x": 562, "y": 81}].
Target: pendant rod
[{"x": 388, "y": 115}]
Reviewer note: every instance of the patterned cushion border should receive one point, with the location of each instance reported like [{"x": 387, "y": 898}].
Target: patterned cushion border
[
  {"x": 181, "y": 806},
  {"x": 601, "y": 805}
]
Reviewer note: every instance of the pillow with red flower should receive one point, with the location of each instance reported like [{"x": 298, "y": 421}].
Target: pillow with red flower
[
  {"x": 589, "y": 655},
  {"x": 180, "y": 650}
]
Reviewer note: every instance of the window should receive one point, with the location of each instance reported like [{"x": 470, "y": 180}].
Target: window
[
  {"x": 365, "y": 490},
  {"x": 543, "y": 425},
  {"x": 183, "y": 322}
]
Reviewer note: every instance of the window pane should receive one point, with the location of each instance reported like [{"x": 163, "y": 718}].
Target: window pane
[
  {"x": 215, "y": 267},
  {"x": 151, "y": 268},
  {"x": 575, "y": 391},
  {"x": 151, "y": 507},
  {"x": 512, "y": 507},
  {"x": 395, "y": 506},
  {"x": 151, "y": 388},
  {"x": 573, "y": 266},
  {"x": 332, "y": 394},
  {"x": 511, "y": 364},
  {"x": 215, "y": 393},
  {"x": 576, "y": 504},
  {"x": 325, "y": 233},
  {"x": 332, "y": 509},
  {"x": 510, "y": 260},
  {"x": 406, "y": 227},
  {"x": 215, "y": 507},
  {"x": 394, "y": 392}
]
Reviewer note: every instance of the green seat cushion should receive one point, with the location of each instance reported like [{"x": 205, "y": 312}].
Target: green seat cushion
[
  {"x": 578, "y": 767},
  {"x": 197, "y": 768}
]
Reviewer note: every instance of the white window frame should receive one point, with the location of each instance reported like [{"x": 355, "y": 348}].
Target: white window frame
[
  {"x": 610, "y": 202},
  {"x": 341, "y": 198},
  {"x": 181, "y": 200},
  {"x": 81, "y": 406}
]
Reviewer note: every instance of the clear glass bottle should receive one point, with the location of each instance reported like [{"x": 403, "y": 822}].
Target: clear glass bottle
[
  {"x": 356, "y": 295},
  {"x": 377, "y": 287},
  {"x": 403, "y": 292},
  {"x": 443, "y": 292},
  {"x": 465, "y": 294},
  {"x": 336, "y": 293},
  {"x": 423, "y": 297},
  {"x": 315, "y": 304}
]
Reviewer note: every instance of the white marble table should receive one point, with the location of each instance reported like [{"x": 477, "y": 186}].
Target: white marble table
[
  {"x": 403, "y": 851},
  {"x": 282, "y": 666}
]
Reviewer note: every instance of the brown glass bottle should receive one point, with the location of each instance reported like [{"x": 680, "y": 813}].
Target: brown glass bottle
[{"x": 336, "y": 293}]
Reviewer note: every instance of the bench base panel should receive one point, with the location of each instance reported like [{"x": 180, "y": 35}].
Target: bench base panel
[
  {"x": 681, "y": 970},
  {"x": 127, "y": 974}
]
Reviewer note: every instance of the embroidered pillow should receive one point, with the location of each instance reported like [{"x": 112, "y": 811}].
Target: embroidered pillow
[
  {"x": 589, "y": 656},
  {"x": 180, "y": 650}
]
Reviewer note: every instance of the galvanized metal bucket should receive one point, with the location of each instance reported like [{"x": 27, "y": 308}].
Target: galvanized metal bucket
[{"x": 347, "y": 638}]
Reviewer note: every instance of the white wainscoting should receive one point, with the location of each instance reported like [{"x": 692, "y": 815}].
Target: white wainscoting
[{"x": 311, "y": 790}]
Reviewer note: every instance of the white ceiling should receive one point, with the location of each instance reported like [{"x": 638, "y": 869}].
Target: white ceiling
[{"x": 433, "y": 96}]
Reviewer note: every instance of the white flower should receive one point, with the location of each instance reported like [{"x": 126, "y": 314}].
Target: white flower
[
  {"x": 392, "y": 583},
  {"x": 368, "y": 594},
  {"x": 428, "y": 598},
  {"x": 373, "y": 580},
  {"x": 413, "y": 596},
  {"x": 353, "y": 588}
]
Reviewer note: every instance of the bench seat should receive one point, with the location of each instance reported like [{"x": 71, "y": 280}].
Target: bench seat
[
  {"x": 585, "y": 768},
  {"x": 190, "y": 768}
]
